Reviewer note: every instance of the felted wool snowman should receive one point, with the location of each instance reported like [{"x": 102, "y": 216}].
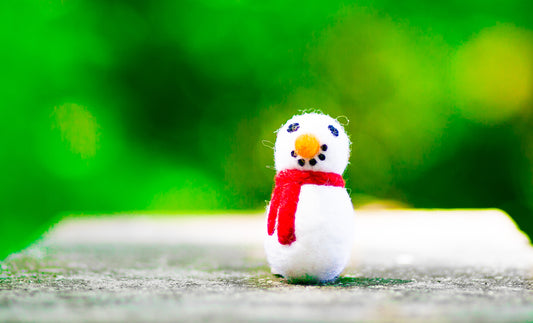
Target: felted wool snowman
[{"x": 310, "y": 218}]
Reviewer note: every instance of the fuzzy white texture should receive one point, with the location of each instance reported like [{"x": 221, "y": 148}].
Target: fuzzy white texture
[
  {"x": 337, "y": 153},
  {"x": 324, "y": 219}
]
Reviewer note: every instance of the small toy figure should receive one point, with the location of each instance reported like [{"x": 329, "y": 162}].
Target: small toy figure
[{"x": 310, "y": 220}]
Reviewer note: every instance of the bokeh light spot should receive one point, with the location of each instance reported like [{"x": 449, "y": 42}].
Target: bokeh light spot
[
  {"x": 493, "y": 73},
  {"x": 78, "y": 129}
]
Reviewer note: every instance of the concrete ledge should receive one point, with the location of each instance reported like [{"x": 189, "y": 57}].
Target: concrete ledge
[
  {"x": 393, "y": 237},
  {"x": 411, "y": 265}
]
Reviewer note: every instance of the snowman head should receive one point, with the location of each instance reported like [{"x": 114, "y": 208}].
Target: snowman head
[{"x": 312, "y": 141}]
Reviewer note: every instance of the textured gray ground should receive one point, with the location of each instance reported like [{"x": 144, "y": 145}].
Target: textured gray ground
[{"x": 84, "y": 272}]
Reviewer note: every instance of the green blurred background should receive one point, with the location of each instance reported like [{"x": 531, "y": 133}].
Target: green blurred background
[{"x": 161, "y": 106}]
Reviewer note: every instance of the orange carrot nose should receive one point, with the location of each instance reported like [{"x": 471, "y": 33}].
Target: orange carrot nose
[{"x": 306, "y": 145}]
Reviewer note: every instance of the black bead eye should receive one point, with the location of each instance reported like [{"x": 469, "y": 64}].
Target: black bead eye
[
  {"x": 293, "y": 127},
  {"x": 333, "y": 130}
]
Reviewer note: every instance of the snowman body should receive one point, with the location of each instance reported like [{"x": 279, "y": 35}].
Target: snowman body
[
  {"x": 324, "y": 225},
  {"x": 323, "y": 222}
]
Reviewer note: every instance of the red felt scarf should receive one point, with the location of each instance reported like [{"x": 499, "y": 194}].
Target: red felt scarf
[{"x": 285, "y": 199}]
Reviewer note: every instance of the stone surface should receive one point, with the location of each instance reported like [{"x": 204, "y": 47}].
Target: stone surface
[{"x": 407, "y": 265}]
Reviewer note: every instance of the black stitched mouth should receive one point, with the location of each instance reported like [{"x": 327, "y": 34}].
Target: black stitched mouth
[{"x": 312, "y": 161}]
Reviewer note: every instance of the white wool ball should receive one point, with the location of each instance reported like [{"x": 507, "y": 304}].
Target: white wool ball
[{"x": 321, "y": 126}]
